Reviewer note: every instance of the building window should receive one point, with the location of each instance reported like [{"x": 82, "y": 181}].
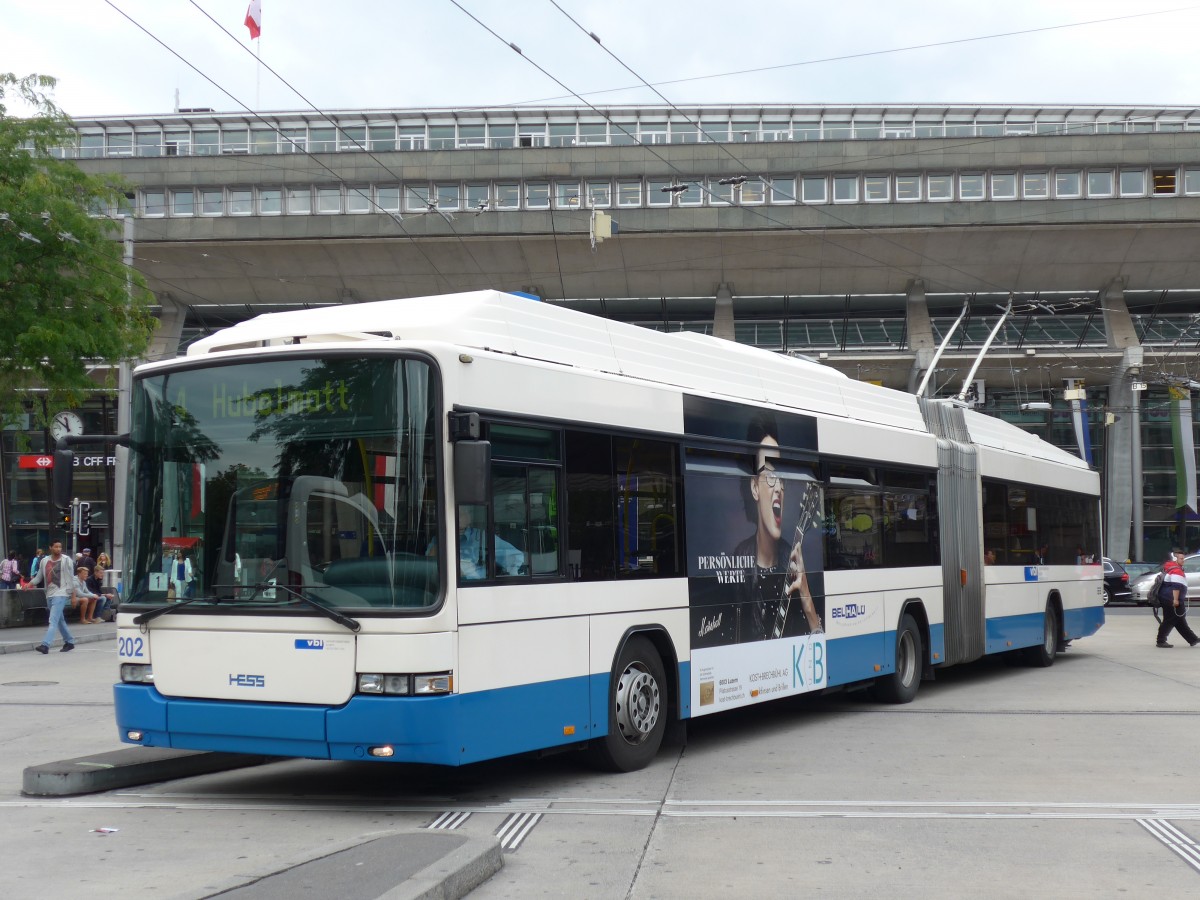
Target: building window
[
  {"x": 270, "y": 201},
  {"x": 241, "y": 202},
  {"x": 537, "y": 195},
  {"x": 149, "y": 143},
  {"x": 212, "y": 203},
  {"x": 358, "y": 199},
  {"x": 719, "y": 194},
  {"x": 600, "y": 194},
  {"x": 441, "y": 137},
  {"x": 845, "y": 188},
  {"x": 1133, "y": 182},
  {"x": 1004, "y": 186},
  {"x": 299, "y": 201},
  {"x": 566, "y": 195},
  {"x": 714, "y": 131},
  {"x": 416, "y": 197},
  {"x": 354, "y": 138},
  {"x": 657, "y": 193},
  {"x": 652, "y": 133},
  {"x": 206, "y": 143},
  {"x": 1100, "y": 184},
  {"x": 293, "y": 140},
  {"x": 508, "y": 195},
  {"x": 501, "y": 137},
  {"x": 449, "y": 197},
  {"x": 329, "y": 200},
  {"x": 235, "y": 140},
  {"x": 629, "y": 193},
  {"x": 472, "y": 136},
  {"x": 381, "y": 137},
  {"x": 971, "y": 187},
  {"x": 684, "y": 133},
  {"x": 388, "y": 198},
  {"x": 1191, "y": 182},
  {"x": 694, "y": 195},
  {"x": 120, "y": 143},
  {"x": 154, "y": 203},
  {"x": 478, "y": 196},
  {"x": 91, "y": 146},
  {"x": 876, "y": 188},
  {"x": 940, "y": 187},
  {"x": 593, "y": 132},
  {"x": 908, "y": 188},
  {"x": 1067, "y": 185},
  {"x": 410, "y": 137},
  {"x": 322, "y": 140},
  {"x": 562, "y": 135},
  {"x": 783, "y": 190},
  {"x": 264, "y": 140},
  {"x": 1035, "y": 185},
  {"x": 1165, "y": 181},
  {"x": 531, "y": 136},
  {"x": 753, "y": 192},
  {"x": 183, "y": 203},
  {"x": 814, "y": 190}
]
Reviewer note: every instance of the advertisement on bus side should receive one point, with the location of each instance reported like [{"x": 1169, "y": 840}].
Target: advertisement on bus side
[{"x": 755, "y": 579}]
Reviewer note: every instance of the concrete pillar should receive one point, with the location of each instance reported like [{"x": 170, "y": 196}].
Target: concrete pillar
[
  {"x": 165, "y": 343},
  {"x": 920, "y": 332},
  {"x": 1122, "y": 462},
  {"x": 1118, "y": 326},
  {"x": 723, "y": 314}
]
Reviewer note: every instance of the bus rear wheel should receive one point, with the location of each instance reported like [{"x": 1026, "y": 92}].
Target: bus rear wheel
[
  {"x": 901, "y": 686},
  {"x": 1043, "y": 655},
  {"x": 637, "y": 710}
]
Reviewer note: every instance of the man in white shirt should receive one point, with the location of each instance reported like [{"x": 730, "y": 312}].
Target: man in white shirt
[{"x": 57, "y": 574}]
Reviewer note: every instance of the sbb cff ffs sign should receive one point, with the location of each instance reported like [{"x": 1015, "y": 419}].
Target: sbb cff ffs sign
[{"x": 46, "y": 461}]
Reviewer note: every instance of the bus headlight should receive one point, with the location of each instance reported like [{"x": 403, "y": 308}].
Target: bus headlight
[
  {"x": 404, "y": 685},
  {"x": 373, "y": 683},
  {"x": 437, "y": 683},
  {"x": 137, "y": 673}
]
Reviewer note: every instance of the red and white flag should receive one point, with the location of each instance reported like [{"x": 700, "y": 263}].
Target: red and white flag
[{"x": 254, "y": 18}]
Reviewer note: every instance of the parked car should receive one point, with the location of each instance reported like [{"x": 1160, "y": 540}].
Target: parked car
[
  {"x": 1136, "y": 570},
  {"x": 1140, "y": 588},
  {"x": 1116, "y": 583}
]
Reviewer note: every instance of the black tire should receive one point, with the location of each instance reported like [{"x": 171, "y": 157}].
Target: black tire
[
  {"x": 1042, "y": 656},
  {"x": 637, "y": 710},
  {"x": 1108, "y": 595},
  {"x": 901, "y": 686}
]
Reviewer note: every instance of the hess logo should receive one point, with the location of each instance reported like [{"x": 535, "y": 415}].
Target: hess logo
[{"x": 250, "y": 681}]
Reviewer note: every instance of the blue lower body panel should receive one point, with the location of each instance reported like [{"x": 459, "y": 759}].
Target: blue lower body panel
[
  {"x": 447, "y": 730},
  {"x": 1013, "y": 632}
]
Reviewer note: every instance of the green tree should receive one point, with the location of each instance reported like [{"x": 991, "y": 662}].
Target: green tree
[{"x": 67, "y": 301}]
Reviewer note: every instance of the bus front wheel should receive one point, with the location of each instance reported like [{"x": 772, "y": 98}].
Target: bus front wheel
[
  {"x": 901, "y": 686},
  {"x": 637, "y": 710}
]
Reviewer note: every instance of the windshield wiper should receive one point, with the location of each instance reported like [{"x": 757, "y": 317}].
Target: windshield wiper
[
  {"x": 170, "y": 607},
  {"x": 353, "y": 624}
]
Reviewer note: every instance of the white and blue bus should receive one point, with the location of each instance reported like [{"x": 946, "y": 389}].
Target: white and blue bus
[{"x": 447, "y": 529}]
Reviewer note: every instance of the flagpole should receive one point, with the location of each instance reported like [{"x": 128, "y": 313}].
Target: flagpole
[{"x": 257, "y": 73}]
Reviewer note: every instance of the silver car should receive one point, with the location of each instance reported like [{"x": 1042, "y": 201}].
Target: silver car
[{"x": 1191, "y": 568}]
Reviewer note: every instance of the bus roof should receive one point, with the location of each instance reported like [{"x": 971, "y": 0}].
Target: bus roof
[{"x": 524, "y": 327}]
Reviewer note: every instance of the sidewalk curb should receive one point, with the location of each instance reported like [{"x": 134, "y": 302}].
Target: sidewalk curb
[
  {"x": 454, "y": 875},
  {"x": 126, "y": 768},
  {"x": 92, "y": 638}
]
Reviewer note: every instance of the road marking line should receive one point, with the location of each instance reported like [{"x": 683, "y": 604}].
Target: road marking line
[
  {"x": 1174, "y": 840},
  {"x": 449, "y": 821},
  {"x": 515, "y": 828}
]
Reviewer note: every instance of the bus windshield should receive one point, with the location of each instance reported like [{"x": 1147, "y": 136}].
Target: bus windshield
[{"x": 256, "y": 485}]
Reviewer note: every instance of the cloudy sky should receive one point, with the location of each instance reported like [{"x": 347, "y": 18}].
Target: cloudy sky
[{"x": 358, "y": 54}]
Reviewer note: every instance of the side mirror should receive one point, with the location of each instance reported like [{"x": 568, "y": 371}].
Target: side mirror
[
  {"x": 472, "y": 472},
  {"x": 64, "y": 471}
]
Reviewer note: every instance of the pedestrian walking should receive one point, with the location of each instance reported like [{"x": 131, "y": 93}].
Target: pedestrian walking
[
  {"x": 10, "y": 573},
  {"x": 57, "y": 575},
  {"x": 37, "y": 562},
  {"x": 1173, "y": 598}
]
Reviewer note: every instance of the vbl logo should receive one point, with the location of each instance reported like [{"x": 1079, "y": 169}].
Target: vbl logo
[
  {"x": 255, "y": 681},
  {"x": 310, "y": 644}
]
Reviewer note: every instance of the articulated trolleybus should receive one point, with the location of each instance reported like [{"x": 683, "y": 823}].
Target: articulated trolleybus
[{"x": 447, "y": 529}]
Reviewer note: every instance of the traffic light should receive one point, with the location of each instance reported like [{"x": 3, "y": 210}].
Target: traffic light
[
  {"x": 64, "y": 519},
  {"x": 83, "y": 521}
]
